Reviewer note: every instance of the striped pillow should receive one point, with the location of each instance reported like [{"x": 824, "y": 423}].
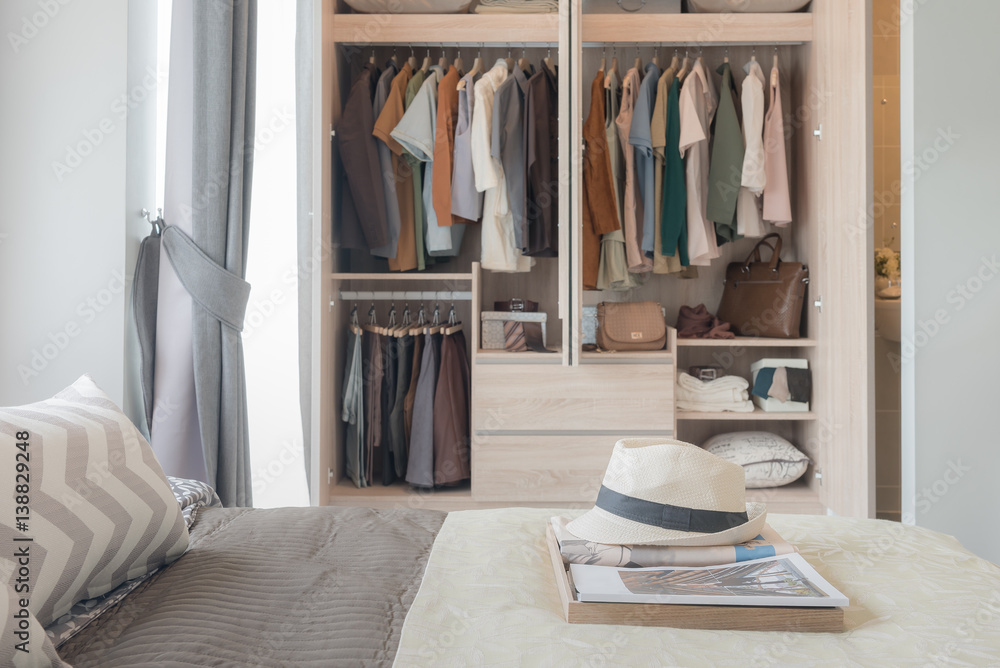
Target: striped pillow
[{"x": 82, "y": 495}]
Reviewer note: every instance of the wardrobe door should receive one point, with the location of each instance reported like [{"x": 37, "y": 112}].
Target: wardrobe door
[{"x": 834, "y": 214}]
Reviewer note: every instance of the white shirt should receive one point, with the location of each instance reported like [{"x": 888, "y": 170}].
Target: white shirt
[
  {"x": 698, "y": 103},
  {"x": 749, "y": 215},
  {"x": 500, "y": 253}
]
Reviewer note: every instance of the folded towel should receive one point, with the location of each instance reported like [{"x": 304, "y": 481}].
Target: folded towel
[
  {"x": 729, "y": 393},
  {"x": 517, "y": 7}
]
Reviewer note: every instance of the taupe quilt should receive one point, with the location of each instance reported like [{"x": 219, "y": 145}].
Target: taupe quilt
[{"x": 283, "y": 587}]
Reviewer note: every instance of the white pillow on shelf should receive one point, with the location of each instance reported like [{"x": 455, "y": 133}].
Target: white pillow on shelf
[{"x": 768, "y": 460}]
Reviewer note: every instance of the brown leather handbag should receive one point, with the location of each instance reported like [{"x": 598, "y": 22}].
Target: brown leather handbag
[
  {"x": 631, "y": 326},
  {"x": 764, "y": 298}
]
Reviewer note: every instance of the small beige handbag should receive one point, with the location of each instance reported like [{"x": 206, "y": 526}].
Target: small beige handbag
[{"x": 627, "y": 326}]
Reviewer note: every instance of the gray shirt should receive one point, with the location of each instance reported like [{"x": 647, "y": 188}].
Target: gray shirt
[
  {"x": 508, "y": 146},
  {"x": 640, "y": 136},
  {"x": 466, "y": 200},
  {"x": 385, "y": 167}
]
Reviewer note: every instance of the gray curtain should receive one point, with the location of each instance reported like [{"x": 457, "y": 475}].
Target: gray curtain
[
  {"x": 304, "y": 24},
  {"x": 225, "y": 37}
]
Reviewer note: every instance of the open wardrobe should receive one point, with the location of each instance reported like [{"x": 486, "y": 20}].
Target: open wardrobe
[{"x": 493, "y": 186}]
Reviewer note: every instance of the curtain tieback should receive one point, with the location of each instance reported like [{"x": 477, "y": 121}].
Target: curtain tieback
[{"x": 217, "y": 290}]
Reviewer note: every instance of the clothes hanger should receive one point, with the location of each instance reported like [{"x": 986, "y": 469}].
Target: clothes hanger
[
  {"x": 726, "y": 58},
  {"x": 549, "y": 63},
  {"x": 372, "y": 325},
  {"x": 524, "y": 63},
  {"x": 604, "y": 58},
  {"x": 458, "y": 64},
  {"x": 418, "y": 328},
  {"x": 656, "y": 57},
  {"x": 435, "y": 327},
  {"x": 412, "y": 60},
  {"x": 477, "y": 67},
  {"x": 675, "y": 62},
  {"x": 509, "y": 59},
  {"x": 638, "y": 60},
  {"x": 614, "y": 60},
  {"x": 454, "y": 325},
  {"x": 427, "y": 61},
  {"x": 372, "y": 59},
  {"x": 443, "y": 60},
  {"x": 774, "y": 69},
  {"x": 685, "y": 67},
  {"x": 394, "y": 59},
  {"x": 353, "y": 326},
  {"x": 400, "y": 330}
]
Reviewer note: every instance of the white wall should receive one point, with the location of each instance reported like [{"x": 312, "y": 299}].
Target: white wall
[
  {"x": 62, "y": 194},
  {"x": 951, "y": 279}
]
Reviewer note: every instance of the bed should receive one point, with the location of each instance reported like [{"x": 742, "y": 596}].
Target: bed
[{"x": 131, "y": 569}]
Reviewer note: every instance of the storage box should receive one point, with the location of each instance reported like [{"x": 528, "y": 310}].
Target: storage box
[
  {"x": 493, "y": 338},
  {"x": 631, "y": 6},
  {"x": 770, "y": 404}
]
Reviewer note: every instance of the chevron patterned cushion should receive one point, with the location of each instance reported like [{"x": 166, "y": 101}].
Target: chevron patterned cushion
[{"x": 84, "y": 505}]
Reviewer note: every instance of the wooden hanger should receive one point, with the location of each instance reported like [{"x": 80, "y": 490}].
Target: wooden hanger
[
  {"x": 604, "y": 59},
  {"x": 372, "y": 59},
  {"x": 458, "y": 64},
  {"x": 418, "y": 328},
  {"x": 685, "y": 68},
  {"x": 353, "y": 326},
  {"x": 524, "y": 63},
  {"x": 509, "y": 60},
  {"x": 454, "y": 325},
  {"x": 394, "y": 59},
  {"x": 372, "y": 325},
  {"x": 435, "y": 327},
  {"x": 549, "y": 63},
  {"x": 774, "y": 69},
  {"x": 675, "y": 62},
  {"x": 656, "y": 56},
  {"x": 477, "y": 67},
  {"x": 443, "y": 60},
  {"x": 427, "y": 61},
  {"x": 412, "y": 60},
  {"x": 726, "y": 58}
]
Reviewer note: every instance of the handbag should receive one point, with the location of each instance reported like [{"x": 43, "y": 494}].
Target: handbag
[
  {"x": 764, "y": 298},
  {"x": 627, "y": 326}
]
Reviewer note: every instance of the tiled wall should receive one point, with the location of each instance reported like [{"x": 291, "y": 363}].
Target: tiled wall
[{"x": 885, "y": 79}]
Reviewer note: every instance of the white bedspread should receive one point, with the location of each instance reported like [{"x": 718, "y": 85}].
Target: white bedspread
[{"x": 917, "y": 598}]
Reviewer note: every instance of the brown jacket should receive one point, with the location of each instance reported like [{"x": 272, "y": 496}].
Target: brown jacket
[{"x": 600, "y": 215}]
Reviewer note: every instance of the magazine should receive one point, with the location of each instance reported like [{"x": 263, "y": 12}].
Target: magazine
[
  {"x": 787, "y": 581},
  {"x": 579, "y": 551}
]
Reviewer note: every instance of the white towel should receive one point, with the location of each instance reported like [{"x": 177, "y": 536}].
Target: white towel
[
  {"x": 729, "y": 393},
  {"x": 517, "y": 7}
]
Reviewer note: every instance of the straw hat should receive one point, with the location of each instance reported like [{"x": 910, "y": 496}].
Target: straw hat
[{"x": 665, "y": 492}]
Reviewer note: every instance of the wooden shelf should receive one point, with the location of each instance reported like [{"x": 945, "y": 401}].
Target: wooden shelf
[
  {"x": 757, "y": 414},
  {"x": 400, "y": 276},
  {"x": 441, "y": 28},
  {"x": 746, "y": 342},
  {"x": 399, "y": 495},
  {"x": 630, "y": 357},
  {"x": 504, "y": 357},
  {"x": 706, "y": 29}
]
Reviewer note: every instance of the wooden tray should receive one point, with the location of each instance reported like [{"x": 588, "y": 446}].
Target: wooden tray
[{"x": 719, "y": 617}]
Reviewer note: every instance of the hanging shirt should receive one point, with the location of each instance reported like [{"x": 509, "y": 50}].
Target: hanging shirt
[
  {"x": 499, "y": 252},
  {"x": 444, "y": 149},
  {"x": 466, "y": 201},
  {"x": 662, "y": 264},
  {"x": 385, "y": 165},
  {"x": 726, "y": 171},
  {"x": 749, "y": 220},
  {"x": 673, "y": 217},
  {"x": 416, "y": 133},
  {"x": 420, "y": 463},
  {"x": 632, "y": 221},
  {"x": 392, "y": 112},
  {"x": 697, "y": 110},
  {"x": 359, "y": 153},
  {"x": 612, "y": 272},
  {"x": 542, "y": 129},
  {"x": 777, "y": 201},
  {"x": 600, "y": 214},
  {"x": 640, "y": 138},
  {"x": 507, "y": 144}
]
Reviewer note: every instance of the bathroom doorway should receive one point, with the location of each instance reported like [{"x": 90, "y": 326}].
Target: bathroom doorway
[{"x": 886, "y": 218}]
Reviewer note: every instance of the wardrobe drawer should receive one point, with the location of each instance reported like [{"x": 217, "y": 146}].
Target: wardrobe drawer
[
  {"x": 531, "y": 468},
  {"x": 598, "y": 397}
]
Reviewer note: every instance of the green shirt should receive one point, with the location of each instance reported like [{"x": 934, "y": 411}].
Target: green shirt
[
  {"x": 726, "y": 171},
  {"x": 673, "y": 221}
]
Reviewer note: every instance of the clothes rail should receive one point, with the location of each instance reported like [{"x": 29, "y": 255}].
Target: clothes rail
[
  {"x": 357, "y": 46},
  {"x": 686, "y": 45},
  {"x": 403, "y": 295}
]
